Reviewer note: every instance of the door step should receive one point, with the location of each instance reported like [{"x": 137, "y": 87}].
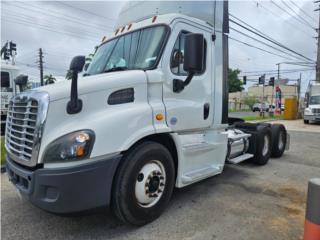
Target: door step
[
  {"x": 200, "y": 174},
  {"x": 196, "y": 147},
  {"x": 240, "y": 158}
]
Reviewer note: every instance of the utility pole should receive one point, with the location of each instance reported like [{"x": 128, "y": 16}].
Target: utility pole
[
  {"x": 41, "y": 66},
  {"x": 318, "y": 48},
  {"x": 299, "y": 91}
]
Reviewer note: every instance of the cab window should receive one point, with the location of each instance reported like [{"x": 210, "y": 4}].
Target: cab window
[
  {"x": 5, "y": 81},
  {"x": 177, "y": 56}
]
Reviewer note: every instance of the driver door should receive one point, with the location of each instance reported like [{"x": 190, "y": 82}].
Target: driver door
[{"x": 192, "y": 108}]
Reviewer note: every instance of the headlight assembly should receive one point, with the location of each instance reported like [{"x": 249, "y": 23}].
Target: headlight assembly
[
  {"x": 71, "y": 147},
  {"x": 307, "y": 111}
]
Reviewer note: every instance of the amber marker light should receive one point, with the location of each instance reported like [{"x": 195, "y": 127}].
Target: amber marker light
[
  {"x": 130, "y": 25},
  {"x": 159, "y": 117},
  {"x": 154, "y": 19},
  {"x": 80, "y": 151}
]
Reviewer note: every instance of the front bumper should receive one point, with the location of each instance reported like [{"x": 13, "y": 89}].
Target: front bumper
[
  {"x": 66, "y": 190},
  {"x": 312, "y": 117}
]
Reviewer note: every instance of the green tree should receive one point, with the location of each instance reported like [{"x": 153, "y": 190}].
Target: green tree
[
  {"x": 49, "y": 79},
  {"x": 235, "y": 84},
  {"x": 249, "y": 101}
]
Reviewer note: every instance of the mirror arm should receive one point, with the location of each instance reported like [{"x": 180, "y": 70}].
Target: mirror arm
[
  {"x": 74, "y": 105},
  {"x": 179, "y": 85}
]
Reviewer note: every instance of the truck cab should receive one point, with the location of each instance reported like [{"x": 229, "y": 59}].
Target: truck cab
[
  {"x": 149, "y": 114},
  {"x": 312, "y": 102},
  {"x": 8, "y": 89}
]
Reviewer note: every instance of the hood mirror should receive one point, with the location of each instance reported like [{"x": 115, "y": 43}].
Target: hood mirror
[{"x": 75, "y": 104}]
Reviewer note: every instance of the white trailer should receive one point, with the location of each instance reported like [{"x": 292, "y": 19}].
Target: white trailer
[
  {"x": 149, "y": 114},
  {"x": 312, "y": 103}
]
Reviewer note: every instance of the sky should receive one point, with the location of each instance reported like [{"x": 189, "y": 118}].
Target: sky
[{"x": 68, "y": 28}]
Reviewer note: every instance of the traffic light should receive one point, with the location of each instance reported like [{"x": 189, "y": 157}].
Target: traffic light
[
  {"x": 12, "y": 47},
  {"x": 244, "y": 80},
  {"x": 271, "y": 82},
  {"x": 262, "y": 79},
  {"x": 6, "y": 55}
]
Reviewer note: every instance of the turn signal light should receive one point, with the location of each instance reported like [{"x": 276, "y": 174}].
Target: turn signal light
[{"x": 159, "y": 117}]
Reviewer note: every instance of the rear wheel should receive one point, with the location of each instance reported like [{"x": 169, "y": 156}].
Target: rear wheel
[
  {"x": 260, "y": 146},
  {"x": 306, "y": 121},
  {"x": 144, "y": 183},
  {"x": 279, "y": 140}
]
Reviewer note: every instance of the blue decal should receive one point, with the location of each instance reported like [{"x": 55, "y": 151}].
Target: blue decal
[{"x": 173, "y": 121}]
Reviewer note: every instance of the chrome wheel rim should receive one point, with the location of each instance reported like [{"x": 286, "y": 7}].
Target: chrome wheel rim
[
  {"x": 150, "y": 183},
  {"x": 281, "y": 140},
  {"x": 265, "y": 146}
]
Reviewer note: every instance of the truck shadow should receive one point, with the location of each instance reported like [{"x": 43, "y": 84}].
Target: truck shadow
[{"x": 101, "y": 222}]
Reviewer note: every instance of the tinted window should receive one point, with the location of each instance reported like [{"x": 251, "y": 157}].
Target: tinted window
[
  {"x": 5, "y": 81},
  {"x": 177, "y": 57}
]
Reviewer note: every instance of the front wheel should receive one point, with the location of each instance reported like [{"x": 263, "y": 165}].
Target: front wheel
[
  {"x": 306, "y": 121},
  {"x": 143, "y": 184}
]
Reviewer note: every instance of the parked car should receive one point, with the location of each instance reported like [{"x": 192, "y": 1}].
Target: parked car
[{"x": 258, "y": 106}]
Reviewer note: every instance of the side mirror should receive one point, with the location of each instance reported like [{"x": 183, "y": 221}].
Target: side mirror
[
  {"x": 21, "y": 81},
  {"x": 193, "y": 53},
  {"x": 193, "y": 59},
  {"x": 75, "y": 104},
  {"x": 77, "y": 63}
]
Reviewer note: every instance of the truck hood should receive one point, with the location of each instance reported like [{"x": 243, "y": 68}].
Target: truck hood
[
  {"x": 312, "y": 106},
  {"x": 94, "y": 83}
]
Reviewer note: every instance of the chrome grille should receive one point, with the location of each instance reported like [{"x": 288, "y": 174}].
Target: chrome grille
[
  {"x": 316, "y": 110},
  {"x": 25, "y": 119}
]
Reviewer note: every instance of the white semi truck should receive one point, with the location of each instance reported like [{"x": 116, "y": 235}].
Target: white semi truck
[
  {"x": 312, "y": 103},
  {"x": 149, "y": 114}
]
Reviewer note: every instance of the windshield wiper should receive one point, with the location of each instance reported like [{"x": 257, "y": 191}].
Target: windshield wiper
[{"x": 114, "y": 69}]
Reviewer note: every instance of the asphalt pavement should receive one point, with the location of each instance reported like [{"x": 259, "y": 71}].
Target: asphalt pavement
[{"x": 245, "y": 202}]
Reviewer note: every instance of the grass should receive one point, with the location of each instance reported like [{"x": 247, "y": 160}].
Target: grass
[
  {"x": 236, "y": 110},
  {"x": 3, "y": 152},
  {"x": 258, "y": 118}
]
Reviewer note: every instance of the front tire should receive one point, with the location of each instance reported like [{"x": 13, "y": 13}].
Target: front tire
[
  {"x": 306, "y": 121},
  {"x": 143, "y": 184}
]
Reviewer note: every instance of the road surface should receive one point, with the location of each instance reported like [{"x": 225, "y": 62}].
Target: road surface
[{"x": 245, "y": 202}]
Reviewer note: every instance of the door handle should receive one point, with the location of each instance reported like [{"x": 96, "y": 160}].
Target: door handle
[{"x": 206, "y": 110}]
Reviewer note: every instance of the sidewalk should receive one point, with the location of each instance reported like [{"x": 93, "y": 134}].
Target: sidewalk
[{"x": 298, "y": 125}]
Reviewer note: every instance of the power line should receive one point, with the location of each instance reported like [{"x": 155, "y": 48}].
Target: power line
[
  {"x": 263, "y": 50},
  {"x": 281, "y": 17},
  {"x": 264, "y": 36},
  {"x": 248, "y": 36},
  {"x": 297, "y": 14},
  {"x": 262, "y": 71},
  {"x": 84, "y": 10},
  {"x": 59, "y": 15},
  {"x": 301, "y": 10},
  {"x": 294, "y": 17},
  {"x": 48, "y": 29},
  {"x": 275, "y": 73},
  {"x": 26, "y": 18}
]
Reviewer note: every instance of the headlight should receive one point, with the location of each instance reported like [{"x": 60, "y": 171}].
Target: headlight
[
  {"x": 71, "y": 147},
  {"x": 307, "y": 111}
]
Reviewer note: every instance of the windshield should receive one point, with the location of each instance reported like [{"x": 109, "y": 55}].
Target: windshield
[
  {"x": 315, "y": 100},
  {"x": 136, "y": 50}
]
